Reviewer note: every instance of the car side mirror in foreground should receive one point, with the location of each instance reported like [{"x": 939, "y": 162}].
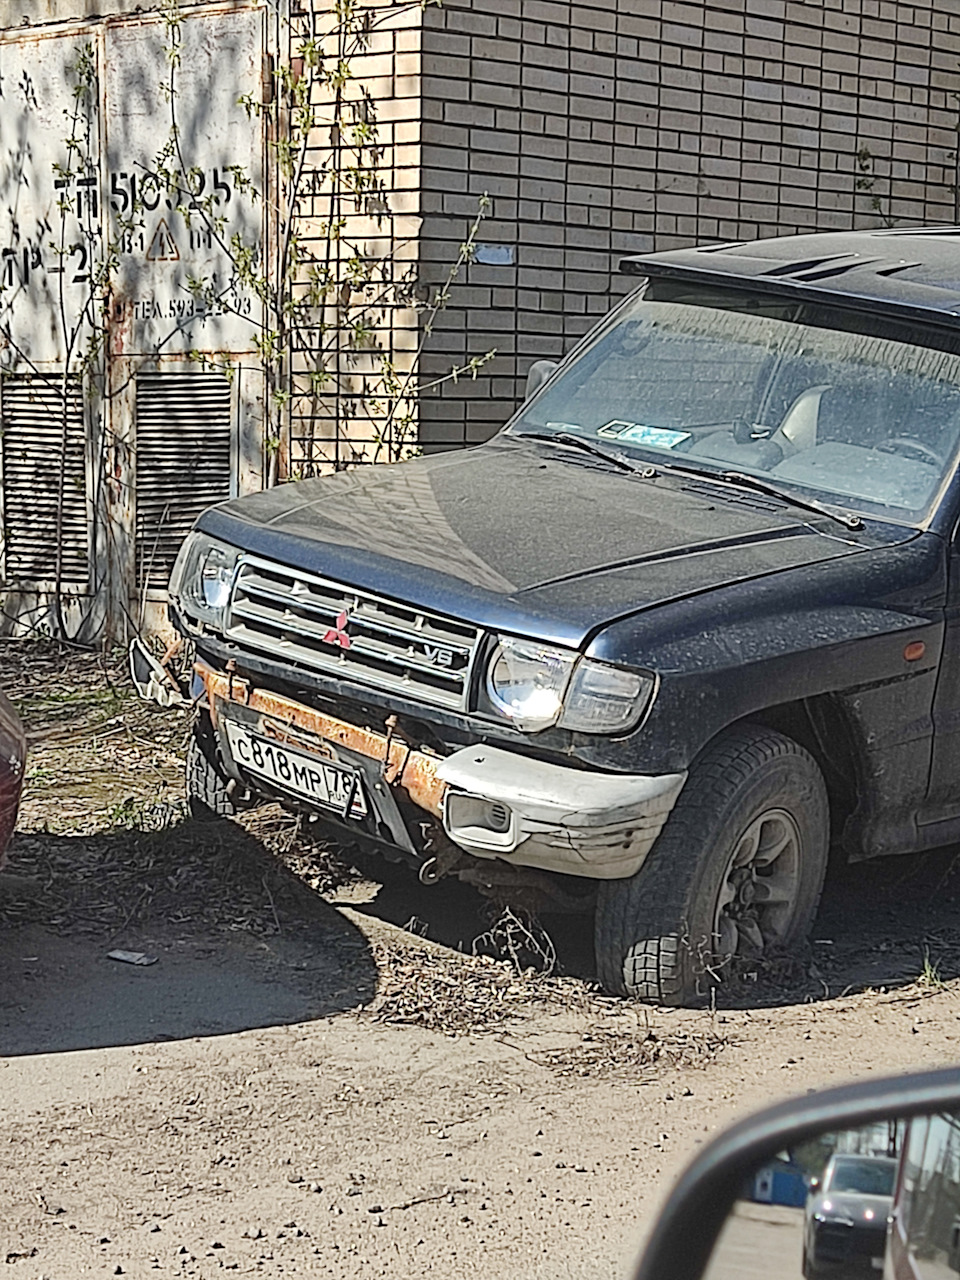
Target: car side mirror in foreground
[
  {"x": 849, "y": 1183},
  {"x": 537, "y": 375}
]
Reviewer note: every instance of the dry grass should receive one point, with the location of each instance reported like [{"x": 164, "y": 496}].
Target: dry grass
[
  {"x": 640, "y": 1054},
  {"x": 476, "y": 995},
  {"x": 95, "y": 748},
  {"x": 456, "y": 994},
  {"x": 126, "y": 875},
  {"x": 104, "y": 833}
]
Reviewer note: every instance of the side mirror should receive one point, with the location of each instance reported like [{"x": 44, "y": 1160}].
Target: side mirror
[
  {"x": 889, "y": 1153},
  {"x": 537, "y": 375}
]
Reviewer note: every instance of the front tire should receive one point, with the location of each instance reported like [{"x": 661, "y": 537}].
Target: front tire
[
  {"x": 209, "y": 794},
  {"x": 738, "y": 868},
  {"x": 808, "y": 1266}
]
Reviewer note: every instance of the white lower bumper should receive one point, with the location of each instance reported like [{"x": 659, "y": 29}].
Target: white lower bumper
[{"x": 600, "y": 825}]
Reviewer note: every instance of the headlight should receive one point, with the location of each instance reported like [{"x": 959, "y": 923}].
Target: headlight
[
  {"x": 526, "y": 681},
  {"x": 202, "y": 578},
  {"x": 537, "y": 685}
]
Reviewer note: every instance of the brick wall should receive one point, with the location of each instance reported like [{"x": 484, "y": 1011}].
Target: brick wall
[
  {"x": 340, "y": 421},
  {"x": 604, "y": 127}
]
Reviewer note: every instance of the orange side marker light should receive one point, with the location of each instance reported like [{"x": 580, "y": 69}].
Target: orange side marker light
[{"x": 914, "y": 651}]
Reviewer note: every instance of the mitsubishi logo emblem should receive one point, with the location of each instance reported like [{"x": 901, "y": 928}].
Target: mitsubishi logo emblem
[{"x": 338, "y": 632}]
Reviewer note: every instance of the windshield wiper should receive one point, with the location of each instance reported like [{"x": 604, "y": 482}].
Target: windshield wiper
[
  {"x": 849, "y": 519},
  {"x": 586, "y": 446}
]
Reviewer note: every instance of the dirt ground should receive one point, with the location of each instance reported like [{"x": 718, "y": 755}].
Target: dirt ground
[{"x": 312, "y": 1079}]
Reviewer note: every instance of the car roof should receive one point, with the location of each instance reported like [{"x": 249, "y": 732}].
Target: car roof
[{"x": 911, "y": 271}]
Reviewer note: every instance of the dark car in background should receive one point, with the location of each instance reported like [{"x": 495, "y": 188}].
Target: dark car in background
[
  {"x": 845, "y": 1221},
  {"x": 689, "y": 622}
]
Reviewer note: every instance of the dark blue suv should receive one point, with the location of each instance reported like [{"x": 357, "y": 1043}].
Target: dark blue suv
[{"x": 686, "y": 624}]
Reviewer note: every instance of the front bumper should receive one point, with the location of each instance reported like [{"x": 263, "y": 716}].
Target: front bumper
[
  {"x": 849, "y": 1246},
  {"x": 493, "y": 803},
  {"x": 576, "y": 821}
]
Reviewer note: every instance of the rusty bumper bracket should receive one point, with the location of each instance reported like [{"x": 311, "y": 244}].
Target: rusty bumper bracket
[{"x": 402, "y": 767}]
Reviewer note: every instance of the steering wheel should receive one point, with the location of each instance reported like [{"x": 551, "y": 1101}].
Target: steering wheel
[{"x": 908, "y": 447}]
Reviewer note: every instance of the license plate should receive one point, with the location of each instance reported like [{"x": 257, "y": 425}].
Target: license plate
[
  {"x": 877, "y": 1264},
  {"x": 331, "y": 786}
]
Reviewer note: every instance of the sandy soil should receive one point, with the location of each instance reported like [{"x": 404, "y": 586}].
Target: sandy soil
[{"x": 300, "y": 1086}]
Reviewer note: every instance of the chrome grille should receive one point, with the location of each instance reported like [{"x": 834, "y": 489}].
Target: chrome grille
[{"x": 303, "y": 620}]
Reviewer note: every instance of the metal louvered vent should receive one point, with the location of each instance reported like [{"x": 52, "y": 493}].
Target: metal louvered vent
[
  {"x": 39, "y": 479},
  {"x": 184, "y": 437}
]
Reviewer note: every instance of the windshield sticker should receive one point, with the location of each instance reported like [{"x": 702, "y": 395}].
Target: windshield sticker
[
  {"x": 661, "y": 437},
  {"x": 615, "y": 429}
]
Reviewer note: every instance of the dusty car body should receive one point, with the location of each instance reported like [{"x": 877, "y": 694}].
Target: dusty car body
[
  {"x": 687, "y": 623},
  {"x": 13, "y": 755}
]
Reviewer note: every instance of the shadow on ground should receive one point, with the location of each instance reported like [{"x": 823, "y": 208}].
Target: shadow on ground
[
  {"x": 458, "y": 916},
  {"x": 239, "y": 941},
  {"x": 242, "y": 941},
  {"x": 890, "y": 923}
]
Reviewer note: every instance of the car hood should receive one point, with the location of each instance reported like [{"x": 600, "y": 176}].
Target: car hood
[
  {"x": 528, "y": 538},
  {"x": 850, "y": 1204}
]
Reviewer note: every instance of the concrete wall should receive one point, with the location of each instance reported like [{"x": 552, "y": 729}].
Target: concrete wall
[
  {"x": 113, "y": 434},
  {"x": 604, "y": 127}
]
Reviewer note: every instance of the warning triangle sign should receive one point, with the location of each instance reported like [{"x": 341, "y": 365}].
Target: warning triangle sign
[{"x": 163, "y": 247}]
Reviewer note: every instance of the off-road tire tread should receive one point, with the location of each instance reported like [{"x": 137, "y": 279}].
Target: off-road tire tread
[
  {"x": 207, "y": 795},
  {"x": 639, "y": 906}
]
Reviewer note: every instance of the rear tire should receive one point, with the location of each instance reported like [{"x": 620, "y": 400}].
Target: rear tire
[{"x": 738, "y": 868}]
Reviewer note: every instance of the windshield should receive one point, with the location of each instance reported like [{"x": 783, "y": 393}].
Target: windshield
[
  {"x": 868, "y": 1177},
  {"x": 814, "y": 399}
]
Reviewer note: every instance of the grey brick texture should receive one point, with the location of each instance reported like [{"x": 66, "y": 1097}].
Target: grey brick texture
[{"x": 612, "y": 127}]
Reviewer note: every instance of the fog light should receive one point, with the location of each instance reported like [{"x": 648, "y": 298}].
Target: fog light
[
  {"x": 499, "y": 817},
  {"x": 474, "y": 820}
]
